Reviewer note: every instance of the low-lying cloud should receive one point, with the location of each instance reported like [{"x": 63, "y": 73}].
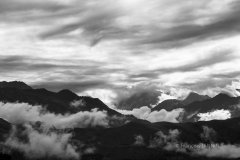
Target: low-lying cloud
[
  {"x": 162, "y": 140},
  {"x": 223, "y": 150},
  {"x": 42, "y": 143},
  {"x": 78, "y": 103},
  {"x": 19, "y": 113},
  {"x": 215, "y": 115},
  {"x": 139, "y": 140},
  {"x": 157, "y": 91},
  {"x": 171, "y": 142},
  {"x": 155, "y": 116},
  {"x": 208, "y": 134}
]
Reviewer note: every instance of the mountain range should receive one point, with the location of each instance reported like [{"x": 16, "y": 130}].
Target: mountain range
[
  {"x": 119, "y": 142},
  {"x": 150, "y": 99},
  {"x": 138, "y": 100},
  {"x": 59, "y": 102}
]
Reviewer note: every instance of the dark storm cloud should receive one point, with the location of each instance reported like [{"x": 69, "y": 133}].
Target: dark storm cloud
[
  {"x": 148, "y": 75},
  {"x": 213, "y": 80},
  {"x": 9, "y": 6},
  {"x": 102, "y": 25},
  {"x": 195, "y": 65},
  {"x": 74, "y": 86},
  {"x": 234, "y": 74},
  {"x": 205, "y": 83},
  {"x": 71, "y": 67},
  {"x": 215, "y": 58},
  {"x": 78, "y": 75},
  {"x": 25, "y": 63},
  {"x": 181, "y": 35},
  {"x": 95, "y": 26},
  {"x": 100, "y": 21}
]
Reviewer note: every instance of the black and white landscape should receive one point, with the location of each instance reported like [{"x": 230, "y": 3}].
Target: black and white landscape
[
  {"x": 119, "y": 79},
  {"x": 41, "y": 124}
]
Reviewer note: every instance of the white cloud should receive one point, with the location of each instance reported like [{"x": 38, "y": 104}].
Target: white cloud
[
  {"x": 18, "y": 113},
  {"x": 229, "y": 89},
  {"x": 156, "y": 116},
  {"x": 42, "y": 144},
  {"x": 105, "y": 95},
  {"x": 223, "y": 150},
  {"x": 90, "y": 150},
  {"x": 165, "y": 141},
  {"x": 170, "y": 142},
  {"x": 208, "y": 134},
  {"x": 217, "y": 114},
  {"x": 78, "y": 103},
  {"x": 174, "y": 93},
  {"x": 139, "y": 140}
]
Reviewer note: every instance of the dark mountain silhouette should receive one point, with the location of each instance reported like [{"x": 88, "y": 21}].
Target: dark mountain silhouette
[
  {"x": 192, "y": 97},
  {"x": 221, "y": 101},
  {"x": 54, "y": 102},
  {"x": 139, "y": 100},
  {"x": 5, "y": 128},
  {"x": 118, "y": 143},
  {"x": 67, "y": 95},
  {"x": 112, "y": 143},
  {"x": 169, "y": 105},
  {"x": 14, "y": 84}
]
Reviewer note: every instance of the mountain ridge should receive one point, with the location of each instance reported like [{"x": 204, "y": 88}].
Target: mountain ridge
[{"x": 14, "y": 84}]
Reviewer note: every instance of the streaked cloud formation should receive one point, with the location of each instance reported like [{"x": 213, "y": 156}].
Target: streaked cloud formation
[{"x": 89, "y": 45}]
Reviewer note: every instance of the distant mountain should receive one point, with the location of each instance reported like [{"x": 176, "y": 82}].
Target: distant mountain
[
  {"x": 14, "y": 84},
  {"x": 195, "y": 104},
  {"x": 219, "y": 102},
  {"x": 54, "y": 102},
  {"x": 67, "y": 95},
  {"x": 192, "y": 97},
  {"x": 139, "y": 100},
  {"x": 169, "y": 105}
]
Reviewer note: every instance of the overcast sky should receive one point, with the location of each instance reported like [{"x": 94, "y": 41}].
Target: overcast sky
[{"x": 84, "y": 45}]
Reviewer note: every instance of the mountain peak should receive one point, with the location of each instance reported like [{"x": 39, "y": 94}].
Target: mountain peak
[
  {"x": 67, "y": 94},
  {"x": 14, "y": 84},
  {"x": 221, "y": 95},
  {"x": 192, "y": 97}
]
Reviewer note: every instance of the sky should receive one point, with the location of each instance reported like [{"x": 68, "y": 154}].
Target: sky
[{"x": 106, "y": 48}]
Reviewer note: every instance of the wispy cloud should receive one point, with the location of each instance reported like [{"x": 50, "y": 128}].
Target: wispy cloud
[
  {"x": 90, "y": 45},
  {"x": 42, "y": 144}
]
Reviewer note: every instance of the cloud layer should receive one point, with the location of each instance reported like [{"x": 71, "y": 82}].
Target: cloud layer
[
  {"x": 19, "y": 113},
  {"x": 155, "y": 116},
  {"x": 42, "y": 144},
  {"x": 171, "y": 142},
  {"x": 217, "y": 114}
]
